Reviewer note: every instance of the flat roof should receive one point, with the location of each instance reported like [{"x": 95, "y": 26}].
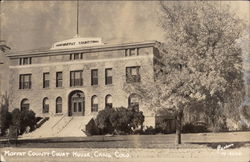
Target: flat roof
[{"x": 98, "y": 48}]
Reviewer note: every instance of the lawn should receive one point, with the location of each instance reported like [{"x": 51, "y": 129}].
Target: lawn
[
  {"x": 195, "y": 140},
  {"x": 132, "y": 148}
]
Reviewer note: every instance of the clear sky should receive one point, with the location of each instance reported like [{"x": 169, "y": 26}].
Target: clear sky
[{"x": 33, "y": 25}]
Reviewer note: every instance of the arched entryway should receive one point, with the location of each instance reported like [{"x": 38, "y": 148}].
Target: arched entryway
[{"x": 76, "y": 103}]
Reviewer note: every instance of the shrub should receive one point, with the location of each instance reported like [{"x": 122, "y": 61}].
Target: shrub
[
  {"x": 150, "y": 130},
  {"x": 27, "y": 119},
  {"x": 16, "y": 117},
  {"x": 5, "y": 119},
  {"x": 103, "y": 121},
  {"x": 91, "y": 128},
  {"x": 165, "y": 121},
  {"x": 197, "y": 127},
  {"x": 119, "y": 120},
  {"x": 23, "y": 119}
]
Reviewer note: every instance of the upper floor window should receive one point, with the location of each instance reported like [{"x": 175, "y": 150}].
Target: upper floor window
[
  {"x": 25, "y": 81},
  {"x": 59, "y": 79},
  {"x": 108, "y": 76},
  {"x": 94, "y": 104},
  {"x": 131, "y": 52},
  {"x": 76, "y": 56},
  {"x": 45, "y": 80},
  {"x": 133, "y": 74},
  {"x": 25, "y": 61},
  {"x": 76, "y": 78},
  {"x": 94, "y": 77}
]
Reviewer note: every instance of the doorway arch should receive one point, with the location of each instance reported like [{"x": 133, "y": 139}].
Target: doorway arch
[{"x": 76, "y": 105}]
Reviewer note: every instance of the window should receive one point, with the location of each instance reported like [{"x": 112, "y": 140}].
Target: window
[
  {"x": 94, "y": 104},
  {"x": 46, "y": 105},
  {"x": 76, "y": 56},
  {"x": 25, "y": 81},
  {"x": 108, "y": 76},
  {"x": 94, "y": 77},
  {"x": 131, "y": 52},
  {"x": 59, "y": 79},
  {"x": 133, "y": 74},
  {"x": 134, "y": 101},
  {"x": 76, "y": 78},
  {"x": 108, "y": 101},
  {"x": 25, "y": 61},
  {"x": 58, "y": 105},
  {"x": 45, "y": 80},
  {"x": 25, "y": 105}
]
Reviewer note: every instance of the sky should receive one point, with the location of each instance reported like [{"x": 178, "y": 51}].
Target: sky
[{"x": 30, "y": 25}]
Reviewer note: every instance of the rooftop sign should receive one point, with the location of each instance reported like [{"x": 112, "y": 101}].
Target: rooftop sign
[{"x": 77, "y": 42}]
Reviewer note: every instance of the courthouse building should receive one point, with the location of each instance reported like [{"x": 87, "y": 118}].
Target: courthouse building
[{"x": 81, "y": 76}]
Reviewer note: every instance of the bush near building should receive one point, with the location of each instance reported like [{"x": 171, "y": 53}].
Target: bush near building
[
  {"x": 165, "y": 121},
  {"x": 119, "y": 120},
  {"x": 16, "y": 117},
  {"x": 27, "y": 120},
  {"x": 24, "y": 120},
  {"x": 5, "y": 119}
]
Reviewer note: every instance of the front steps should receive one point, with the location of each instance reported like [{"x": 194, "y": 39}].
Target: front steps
[
  {"x": 63, "y": 126},
  {"x": 75, "y": 127}
]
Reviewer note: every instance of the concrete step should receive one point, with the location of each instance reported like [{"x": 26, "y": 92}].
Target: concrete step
[
  {"x": 45, "y": 129},
  {"x": 63, "y": 126},
  {"x": 75, "y": 127}
]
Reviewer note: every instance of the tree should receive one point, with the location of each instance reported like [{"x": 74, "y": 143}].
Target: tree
[
  {"x": 16, "y": 118},
  {"x": 200, "y": 62},
  {"x": 5, "y": 115}
]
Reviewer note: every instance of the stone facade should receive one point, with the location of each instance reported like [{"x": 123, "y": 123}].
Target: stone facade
[{"x": 98, "y": 57}]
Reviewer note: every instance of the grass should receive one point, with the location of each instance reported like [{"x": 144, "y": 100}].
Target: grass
[{"x": 195, "y": 140}]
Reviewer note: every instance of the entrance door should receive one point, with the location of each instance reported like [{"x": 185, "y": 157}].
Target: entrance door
[{"x": 77, "y": 104}]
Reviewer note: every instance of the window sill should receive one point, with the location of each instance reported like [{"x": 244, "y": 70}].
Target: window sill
[
  {"x": 25, "y": 89},
  {"x": 76, "y": 86},
  {"x": 59, "y": 87},
  {"x": 109, "y": 84},
  {"x": 58, "y": 114}
]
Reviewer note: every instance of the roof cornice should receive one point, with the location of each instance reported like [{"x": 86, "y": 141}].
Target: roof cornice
[{"x": 105, "y": 47}]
